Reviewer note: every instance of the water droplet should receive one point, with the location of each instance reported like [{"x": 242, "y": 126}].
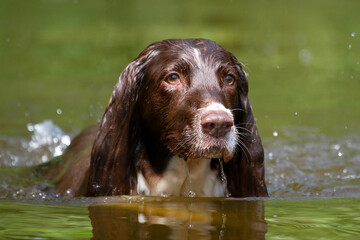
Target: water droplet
[
  {"x": 275, "y": 133},
  {"x": 30, "y": 127},
  {"x": 58, "y": 151},
  {"x": 66, "y": 140},
  {"x": 58, "y": 111},
  {"x": 340, "y": 154},
  {"x": 270, "y": 155},
  {"x": 275, "y": 216},
  {"x": 278, "y": 67},
  {"x": 69, "y": 191},
  {"x": 345, "y": 171},
  {"x": 222, "y": 173},
  {"x": 44, "y": 158},
  {"x": 296, "y": 113},
  {"x": 353, "y": 34},
  {"x": 192, "y": 194}
]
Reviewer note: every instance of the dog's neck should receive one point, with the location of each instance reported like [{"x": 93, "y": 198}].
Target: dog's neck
[{"x": 194, "y": 177}]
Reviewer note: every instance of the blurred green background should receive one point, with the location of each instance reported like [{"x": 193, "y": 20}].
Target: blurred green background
[{"x": 59, "y": 59}]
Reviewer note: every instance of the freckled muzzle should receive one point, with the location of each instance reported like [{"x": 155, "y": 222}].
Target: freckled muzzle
[{"x": 213, "y": 134}]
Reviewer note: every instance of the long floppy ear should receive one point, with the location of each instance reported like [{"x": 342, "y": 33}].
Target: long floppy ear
[
  {"x": 246, "y": 172},
  {"x": 113, "y": 156}
]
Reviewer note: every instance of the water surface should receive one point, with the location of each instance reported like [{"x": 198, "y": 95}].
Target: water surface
[{"x": 182, "y": 218}]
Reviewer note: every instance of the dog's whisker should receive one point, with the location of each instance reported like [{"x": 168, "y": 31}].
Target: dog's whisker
[
  {"x": 243, "y": 128},
  {"x": 244, "y": 149},
  {"x": 237, "y": 109}
]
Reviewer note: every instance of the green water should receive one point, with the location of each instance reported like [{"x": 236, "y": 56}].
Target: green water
[
  {"x": 59, "y": 60},
  {"x": 148, "y": 218}
]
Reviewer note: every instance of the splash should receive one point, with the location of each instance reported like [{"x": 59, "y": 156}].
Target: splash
[
  {"x": 47, "y": 134},
  {"x": 47, "y": 141}
]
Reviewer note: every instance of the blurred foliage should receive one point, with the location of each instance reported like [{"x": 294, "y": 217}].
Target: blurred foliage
[{"x": 302, "y": 59}]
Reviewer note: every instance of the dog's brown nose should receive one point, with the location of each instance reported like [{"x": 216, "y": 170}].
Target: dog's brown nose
[{"x": 216, "y": 123}]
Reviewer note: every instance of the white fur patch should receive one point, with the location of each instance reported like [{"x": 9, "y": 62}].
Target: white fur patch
[
  {"x": 215, "y": 106},
  {"x": 197, "y": 57},
  {"x": 193, "y": 177},
  {"x": 142, "y": 186},
  {"x": 203, "y": 181},
  {"x": 172, "y": 179},
  {"x": 153, "y": 53}
]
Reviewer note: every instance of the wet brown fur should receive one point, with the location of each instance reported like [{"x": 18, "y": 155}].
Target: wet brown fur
[{"x": 146, "y": 120}]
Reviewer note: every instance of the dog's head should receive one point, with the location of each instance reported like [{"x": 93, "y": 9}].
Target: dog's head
[
  {"x": 191, "y": 97},
  {"x": 179, "y": 97}
]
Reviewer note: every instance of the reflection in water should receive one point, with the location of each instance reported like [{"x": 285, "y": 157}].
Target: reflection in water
[{"x": 178, "y": 218}]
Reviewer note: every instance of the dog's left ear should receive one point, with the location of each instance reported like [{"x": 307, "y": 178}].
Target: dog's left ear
[
  {"x": 114, "y": 147},
  {"x": 117, "y": 146},
  {"x": 246, "y": 172}
]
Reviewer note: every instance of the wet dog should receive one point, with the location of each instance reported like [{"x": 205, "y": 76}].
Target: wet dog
[{"x": 179, "y": 123}]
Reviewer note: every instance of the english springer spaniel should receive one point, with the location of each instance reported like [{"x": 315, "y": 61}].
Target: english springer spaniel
[{"x": 178, "y": 123}]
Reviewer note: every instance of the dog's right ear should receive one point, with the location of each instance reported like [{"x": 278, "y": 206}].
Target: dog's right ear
[
  {"x": 112, "y": 168},
  {"x": 246, "y": 171}
]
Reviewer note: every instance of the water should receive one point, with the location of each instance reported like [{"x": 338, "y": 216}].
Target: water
[
  {"x": 300, "y": 162},
  {"x": 59, "y": 61},
  {"x": 181, "y": 218}
]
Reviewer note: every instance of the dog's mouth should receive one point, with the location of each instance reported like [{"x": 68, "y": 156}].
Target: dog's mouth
[
  {"x": 211, "y": 134},
  {"x": 213, "y": 149},
  {"x": 196, "y": 146}
]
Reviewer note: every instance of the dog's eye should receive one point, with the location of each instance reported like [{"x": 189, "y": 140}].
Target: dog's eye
[
  {"x": 229, "y": 80},
  {"x": 173, "y": 79}
]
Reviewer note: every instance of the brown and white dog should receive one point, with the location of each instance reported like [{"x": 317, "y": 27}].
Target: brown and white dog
[{"x": 178, "y": 123}]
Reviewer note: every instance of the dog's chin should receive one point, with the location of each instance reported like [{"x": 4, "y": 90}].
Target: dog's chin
[
  {"x": 204, "y": 147},
  {"x": 218, "y": 148},
  {"x": 218, "y": 153},
  {"x": 208, "y": 153}
]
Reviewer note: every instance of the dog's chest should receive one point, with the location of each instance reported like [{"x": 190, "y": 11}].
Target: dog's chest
[{"x": 193, "y": 177}]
